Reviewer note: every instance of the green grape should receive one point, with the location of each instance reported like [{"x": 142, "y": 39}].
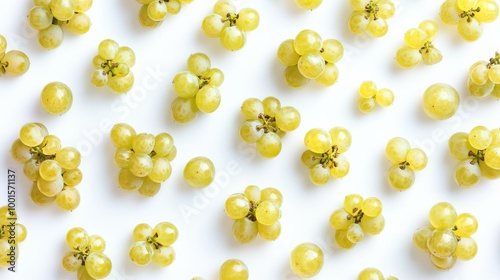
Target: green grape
[
  {"x": 306, "y": 260},
  {"x": 353, "y": 203},
  {"x": 370, "y": 273},
  {"x": 372, "y": 225},
  {"x": 82, "y": 274},
  {"x": 173, "y": 7},
  {"x": 377, "y": 27},
  {"x": 122, "y": 135},
  {"x": 6, "y": 215},
  {"x": 3, "y": 44},
  {"x": 386, "y": 9},
  {"x": 251, "y": 109},
  {"x": 50, "y": 37},
  {"x": 465, "y": 225},
  {"x": 98, "y": 265},
  {"x": 77, "y": 237},
  {"x": 273, "y": 195},
  {"x": 342, "y": 241},
  {"x": 199, "y": 64},
  {"x": 329, "y": 76},
  {"x": 71, "y": 262},
  {"x": 443, "y": 263},
  {"x": 449, "y": 12},
  {"x": 82, "y": 6},
  {"x": 157, "y": 10},
  {"x": 430, "y": 28},
  {"x": 56, "y": 98},
  {"x": 466, "y": 5},
  {"x": 122, "y": 157},
  {"x": 208, "y": 99},
  {"x": 442, "y": 243},
  {"x": 440, "y": 101},
  {"x": 68, "y": 158},
  {"x": 488, "y": 172},
  {"x": 121, "y": 84},
  {"x": 184, "y": 110},
  {"x": 30, "y": 170},
  {"x": 267, "y": 213},
  {"x": 492, "y": 156},
  {"x": 308, "y": 42},
  {"x": 488, "y": 12},
  {"x": 332, "y": 50},
  {"x": 79, "y": 24},
  {"x": 415, "y": 38},
  {"x": 172, "y": 154},
  {"x": 63, "y": 10},
  {"x": 384, "y": 97},
  {"x": 311, "y": 65},
  {"x": 237, "y": 206},
  {"x": 293, "y": 77},
  {"x": 340, "y": 168},
  {"x": 340, "y": 219},
  {"x": 199, "y": 172},
  {"x": 367, "y": 89},
  {"x": 143, "y": 143},
  {"x": 308, "y": 4},
  {"x": 480, "y": 137},
  {"x": 479, "y": 73},
  {"x": 407, "y": 57},
  {"x": 495, "y": 134},
  {"x": 442, "y": 215},
  {"x": 108, "y": 49},
  {"x": 142, "y": 232},
  {"x": 16, "y": 63},
  {"x": 319, "y": 175},
  {"x": 355, "y": 233},
  {"x": 253, "y": 194},
  {"x": 310, "y": 159},
  {"x": 397, "y": 149},
  {"x": 224, "y": 7},
  {"x": 233, "y": 269},
  {"x": 99, "y": 78},
  {"x": 372, "y": 207},
  {"x": 248, "y": 19},
  {"x": 121, "y": 70},
  {"x": 141, "y": 164},
  {"x": 186, "y": 84},
  {"x": 216, "y": 77},
  {"x": 269, "y": 145},
  {"x": 459, "y": 146},
  {"x": 163, "y": 144},
  {"x": 470, "y": 29},
  {"x": 51, "y": 145},
  {"x": 68, "y": 199},
  {"x": 286, "y": 53},
  {"x": 318, "y": 140},
  {"x": 164, "y": 256},
  {"x": 50, "y": 188},
  {"x": 20, "y": 152},
  {"x": 417, "y": 159},
  {"x": 467, "y": 174},
  {"x": 145, "y": 20},
  {"x": 5, "y": 249},
  {"x": 400, "y": 178},
  {"x": 165, "y": 233},
  {"x": 421, "y": 236},
  {"x": 97, "y": 243},
  {"x": 39, "y": 198},
  {"x": 250, "y": 131},
  {"x": 358, "y": 22},
  {"x": 366, "y": 105},
  {"x": 38, "y": 18},
  {"x": 232, "y": 38},
  {"x": 269, "y": 232},
  {"x": 271, "y": 105},
  {"x": 128, "y": 181},
  {"x": 212, "y": 25},
  {"x": 287, "y": 118},
  {"x": 125, "y": 55},
  {"x": 161, "y": 169},
  {"x": 244, "y": 230},
  {"x": 494, "y": 74},
  {"x": 466, "y": 248},
  {"x": 49, "y": 170}
]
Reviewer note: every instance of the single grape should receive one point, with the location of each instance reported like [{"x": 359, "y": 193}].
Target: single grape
[
  {"x": 248, "y": 19},
  {"x": 71, "y": 262},
  {"x": 79, "y": 24},
  {"x": 443, "y": 263},
  {"x": 186, "y": 84},
  {"x": 307, "y": 42},
  {"x": 121, "y": 84},
  {"x": 440, "y": 101},
  {"x": 63, "y": 10},
  {"x": 318, "y": 140},
  {"x": 122, "y": 135},
  {"x": 269, "y": 145},
  {"x": 208, "y": 99},
  {"x": 407, "y": 57},
  {"x": 38, "y": 18},
  {"x": 165, "y": 233},
  {"x": 16, "y": 63},
  {"x": 466, "y": 248},
  {"x": 467, "y": 173},
  {"x": 480, "y": 137},
  {"x": 270, "y": 232},
  {"x": 470, "y": 29},
  {"x": 492, "y": 156},
  {"x": 397, "y": 149},
  {"x": 442, "y": 243},
  {"x": 341, "y": 167},
  {"x": 145, "y": 20},
  {"x": 237, "y": 206},
  {"x": 372, "y": 225},
  {"x": 417, "y": 159},
  {"x": 232, "y": 38},
  {"x": 329, "y": 76},
  {"x": 342, "y": 241},
  {"x": 56, "y": 98},
  {"x": 306, "y": 260},
  {"x": 421, "y": 236},
  {"x": 128, "y": 181},
  {"x": 50, "y": 37},
  {"x": 465, "y": 225},
  {"x": 370, "y": 273},
  {"x": 287, "y": 118},
  {"x": 77, "y": 237},
  {"x": 199, "y": 172},
  {"x": 164, "y": 256},
  {"x": 400, "y": 178},
  {"x": 340, "y": 219},
  {"x": 68, "y": 199},
  {"x": 366, "y": 105},
  {"x": 184, "y": 110},
  {"x": 293, "y": 77},
  {"x": 311, "y": 65},
  {"x": 442, "y": 215},
  {"x": 157, "y": 10},
  {"x": 372, "y": 207},
  {"x": 459, "y": 146},
  {"x": 319, "y": 175},
  {"x": 212, "y": 25},
  {"x": 355, "y": 233},
  {"x": 98, "y": 265},
  {"x": 286, "y": 53},
  {"x": 384, "y": 97},
  {"x": 233, "y": 269},
  {"x": 267, "y": 213},
  {"x": 245, "y": 230}
]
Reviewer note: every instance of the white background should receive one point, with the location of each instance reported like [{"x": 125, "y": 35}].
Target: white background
[{"x": 205, "y": 239}]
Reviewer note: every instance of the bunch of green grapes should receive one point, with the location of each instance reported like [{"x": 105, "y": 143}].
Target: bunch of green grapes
[
  {"x": 14, "y": 63},
  {"x": 308, "y": 4},
  {"x": 370, "y": 16},
  {"x": 405, "y": 160},
  {"x": 371, "y": 273},
  {"x": 11, "y": 234},
  {"x": 440, "y": 101},
  {"x": 230, "y": 25},
  {"x": 265, "y": 122},
  {"x": 419, "y": 46},
  {"x": 357, "y": 217},
  {"x": 199, "y": 172},
  {"x": 112, "y": 66},
  {"x": 448, "y": 237},
  {"x": 153, "y": 244},
  {"x": 306, "y": 260},
  {"x": 56, "y": 98},
  {"x": 197, "y": 89},
  {"x": 143, "y": 159},
  {"x": 255, "y": 212},
  {"x": 468, "y": 15},
  {"x": 233, "y": 269},
  {"x": 325, "y": 154},
  {"x": 48, "y": 17},
  {"x": 86, "y": 256},
  {"x": 52, "y": 169},
  {"x": 369, "y": 95},
  {"x": 484, "y": 78},
  {"x": 309, "y": 57},
  {"x": 478, "y": 153},
  {"x": 153, "y": 12}
]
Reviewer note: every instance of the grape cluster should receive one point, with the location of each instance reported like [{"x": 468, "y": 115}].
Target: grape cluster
[
  {"x": 153, "y": 12},
  {"x": 405, "y": 161},
  {"x": 306, "y": 260},
  {"x": 324, "y": 155},
  {"x": 52, "y": 169},
  {"x": 484, "y": 78},
  {"x": 468, "y": 15},
  {"x": 357, "y": 217},
  {"x": 56, "y": 98},
  {"x": 153, "y": 244},
  {"x": 448, "y": 237},
  {"x": 11, "y": 234},
  {"x": 265, "y": 122},
  {"x": 369, "y": 95},
  {"x": 197, "y": 89},
  {"x": 419, "y": 46},
  {"x": 86, "y": 257},
  {"x": 370, "y": 16},
  {"x": 199, "y": 172},
  {"x": 233, "y": 269},
  {"x": 112, "y": 66},
  {"x": 48, "y": 17},
  {"x": 255, "y": 212},
  {"x": 309, "y": 57},
  {"x": 308, "y": 4},
  {"x": 371, "y": 273},
  {"x": 143, "y": 159},
  {"x": 14, "y": 63},
  {"x": 230, "y": 25},
  {"x": 478, "y": 153}
]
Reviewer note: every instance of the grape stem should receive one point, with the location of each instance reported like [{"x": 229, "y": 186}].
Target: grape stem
[
  {"x": 371, "y": 9},
  {"x": 476, "y": 158},
  {"x": 268, "y": 123},
  {"x": 152, "y": 240},
  {"x": 39, "y": 156},
  {"x": 358, "y": 215},
  {"x": 425, "y": 49},
  {"x": 251, "y": 211},
  {"x": 109, "y": 67},
  {"x": 470, "y": 13},
  {"x": 494, "y": 60},
  {"x": 231, "y": 17},
  {"x": 328, "y": 158}
]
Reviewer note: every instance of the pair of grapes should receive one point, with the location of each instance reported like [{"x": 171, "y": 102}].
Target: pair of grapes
[
  {"x": 52, "y": 169},
  {"x": 255, "y": 212},
  {"x": 405, "y": 160},
  {"x": 48, "y": 17},
  {"x": 369, "y": 95},
  {"x": 197, "y": 89},
  {"x": 484, "y": 77},
  {"x": 112, "y": 66},
  {"x": 419, "y": 46},
  {"x": 324, "y": 155},
  {"x": 153, "y": 12},
  {"x": 230, "y": 25},
  {"x": 309, "y": 57},
  {"x": 86, "y": 256},
  {"x": 357, "y": 217},
  {"x": 265, "y": 122},
  {"x": 153, "y": 244},
  {"x": 478, "y": 153},
  {"x": 370, "y": 16},
  {"x": 8, "y": 233},
  {"x": 144, "y": 159},
  {"x": 14, "y": 63},
  {"x": 448, "y": 237}
]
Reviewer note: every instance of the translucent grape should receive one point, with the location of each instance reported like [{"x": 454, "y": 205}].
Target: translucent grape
[
  {"x": 122, "y": 135},
  {"x": 271, "y": 105},
  {"x": 173, "y": 7},
  {"x": 384, "y": 97},
  {"x": 367, "y": 89},
  {"x": 186, "y": 84},
  {"x": 480, "y": 137},
  {"x": 329, "y": 76},
  {"x": 15, "y": 63},
  {"x": 253, "y": 194},
  {"x": 233, "y": 269},
  {"x": 250, "y": 131},
  {"x": 358, "y": 22},
  {"x": 97, "y": 243},
  {"x": 332, "y": 50},
  {"x": 108, "y": 49},
  {"x": 318, "y": 140},
  {"x": 355, "y": 233},
  {"x": 467, "y": 174},
  {"x": 421, "y": 236},
  {"x": 449, "y": 12},
  {"x": 470, "y": 29},
  {"x": 466, "y": 248},
  {"x": 342, "y": 241},
  {"x": 223, "y": 7},
  {"x": 430, "y": 28},
  {"x": 306, "y": 260},
  {"x": 199, "y": 172},
  {"x": 39, "y": 198},
  {"x": 199, "y": 64},
  {"x": 270, "y": 232},
  {"x": 488, "y": 172},
  {"x": 372, "y": 225},
  {"x": 311, "y": 65},
  {"x": 237, "y": 206},
  {"x": 212, "y": 25},
  {"x": 77, "y": 237},
  {"x": 340, "y": 219},
  {"x": 443, "y": 263},
  {"x": 293, "y": 77},
  {"x": 79, "y": 24},
  {"x": 465, "y": 225},
  {"x": 466, "y": 5},
  {"x": 386, "y": 9},
  {"x": 308, "y": 4},
  {"x": 488, "y": 12},
  {"x": 492, "y": 156},
  {"x": 440, "y": 101},
  {"x": 157, "y": 10},
  {"x": 63, "y": 10},
  {"x": 269, "y": 145},
  {"x": 71, "y": 262},
  {"x": 307, "y": 42},
  {"x": 479, "y": 73},
  {"x": 125, "y": 55},
  {"x": 49, "y": 170},
  {"x": 272, "y": 195},
  {"x": 372, "y": 207},
  {"x": 494, "y": 74},
  {"x": 38, "y": 18},
  {"x": 208, "y": 99},
  {"x": 400, "y": 178},
  {"x": 232, "y": 38},
  {"x": 459, "y": 146},
  {"x": 431, "y": 56},
  {"x": 128, "y": 181},
  {"x": 20, "y": 152},
  {"x": 82, "y": 6},
  {"x": 319, "y": 175},
  {"x": 164, "y": 256},
  {"x": 415, "y": 38},
  {"x": 396, "y": 149},
  {"x": 68, "y": 199},
  {"x": 145, "y": 20},
  {"x": 442, "y": 243},
  {"x": 143, "y": 143},
  {"x": 72, "y": 177},
  {"x": 407, "y": 57},
  {"x": 3, "y": 44},
  {"x": 99, "y": 78},
  {"x": 480, "y": 91},
  {"x": 68, "y": 158},
  {"x": 51, "y": 188},
  {"x": 377, "y": 27},
  {"x": 244, "y": 230},
  {"x": 216, "y": 77},
  {"x": 287, "y": 118},
  {"x": 286, "y": 53},
  {"x": 340, "y": 168},
  {"x": 248, "y": 19},
  {"x": 161, "y": 169},
  {"x": 166, "y": 233},
  {"x": 56, "y": 98},
  {"x": 184, "y": 110},
  {"x": 141, "y": 232},
  {"x": 366, "y": 105},
  {"x": 442, "y": 215},
  {"x": 353, "y": 203},
  {"x": 417, "y": 159},
  {"x": 121, "y": 84},
  {"x": 267, "y": 213},
  {"x": 251, "y": 109},
  {"x": 370, "y": 274}
]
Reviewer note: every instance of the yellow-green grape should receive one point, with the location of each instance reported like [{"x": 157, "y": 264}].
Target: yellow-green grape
[
  {"x": 386, "y": 9},
  {"x": 466, "y": 5},
  {"x": 319, "y": 175},
  {"x": 121, "y": 84},
  {"x": 470, "y": 29},
  {"x": 449, "y": 12},
  {"x": 342, "y": 241},
  {"x": 251, "y": 108},
  {"x": 340, "y": 219},
  {"x": 233, "y": 269},
  {"x": 377, "y": 27},
  {"x": 358, "y": 22},
  {"x": 415, "y": 38},
  {"x": 20, "y": 152},
  {"x": 271, "y": 105},
  {"x": 21, "y": 233},
  {"x": 98, "y": 265},
  {"x": 459, "y": 146},
  {"x": 329, "y": 76},
  {"x": 430, "y": 28},
  {"x": 237, "y": 206},
  {"x": 311, "y": 65},
  {"x": 49, "y": 170},
  {"x": 479, "y": 73},
  {"x": 248, "y": 19},
  {"x": 384, "y": 97},
  {"x": 141, "y": 253},
  {"x": 400, "y": 178},
  {"x": 141, "y": 232},
  {"x": 465, "y": 225},
  {"x": 143, "y": 143},
  {"x": 164, "y": 256},
  {"x": 161, "y": 169},
  {"x": 77, "y": 237},
  {"x": 306, "y": 260},
  {"x": 245, "y": 230},
  {"x": 307, "y": 42},
  {"x": 122, "y": 157},
  {"x": 165, "y": 233},
  {"x": 108, "y": 49},
  {"x": 56, "y": 98},
  {"x": 293, "y": 77},
  {"x": 269, "y": 145},
  {"x": 30, "y": 170},
  {"x": 488, "y": 172},
  {"x": 71, "y": 262},
  {"x": 417, "y": 159},
  {"x": 341, "y": 137},
  {"x": 480, "y": 137},
  {"x": 212, "y": 25},
  {"x": 186, "y": 84},
  {"x": 157, "y": 10},
  {"x": 51, "y": 145},
  {"x": 3, "y": 44},
  {"x": 488, "y": 11},
  {"x": 96, "y": 243},
  {"x": 173, "y": 7},
  {"x": 199, "y": 64},
  {"x": 492, "y": 156},
  {"x": 208, "y": 99},
  {"x": 199, "y": 172},
  {"x": 397, "y": 149},
  {"x": 15, "y": 63},
  {"x": 233, "y": 38},
  {"x": 308, "y": 4},
  {"x": 145, "y": 20},
  {"x": 353, "y": 203},
  {"x": 467, "y": 173},
  {"x": 163, "y": 144},
  {"x": 431, "y": 56},
  {"x": 63, "y": 10},
  {"x": 6, "y": 215},
  {"x": 267, "y": 213},
  {"x": 367, "y": 89},
  {"x": 82, "y": 6},
  {"x": 38, "y": 18},
  {"x": 82, "y": 274},
  {"x": 366, "y": 105},
  {"x": 440, "y": 101},
  {"x": 250, "y": 131},
  {"x": 370, "y": 273},
  {"x": 494, "y": 73},
  {"x": 172, "y": 154},
  {"x": 122, "y": 135},
  {"x": 38, "y": 197},
  {"x": 495, "y": 134},
  {"x": 68, "y": 199},
  {"x": 286, "y": 53},
  {"x": 372, "y": 225},
  {"x": 421, "y": 236},
  {"x": 355, "y": 233},
  {"x": 50, "y": 188},
  {"x": 442, "y": 243},
  {"x": 68, "y": 158},
  {"x": 125, "y": 55},
  {"x": 51, "y": 37},
  {"x": 269, "y": 232},
  {"x": 318, "y": 140},
  {"x": 223, "y": 7},
  {"x": 442, "y": 215},
  {"x": 128, "y": 181},
  {"x": 340, "y": 168},
  {"x": 407, "y": 57},
  {"x": 253, "y": 194},
  {"x": 140, "y": 164},
  {"x": 184, "y": 110},
  {"x": 466, "y": 248},
  {"x": 332, "y": 50},
  {"x": 99, "y": 78},
  {"x": 216, "y": 77},
  {"x": 287, "y": 118},
  {"x": 273, "y": 195},
  {"x": 79, "y": 24},
  {"x": 372, "y": 207},
  {"x": 444, "y": 263}
]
